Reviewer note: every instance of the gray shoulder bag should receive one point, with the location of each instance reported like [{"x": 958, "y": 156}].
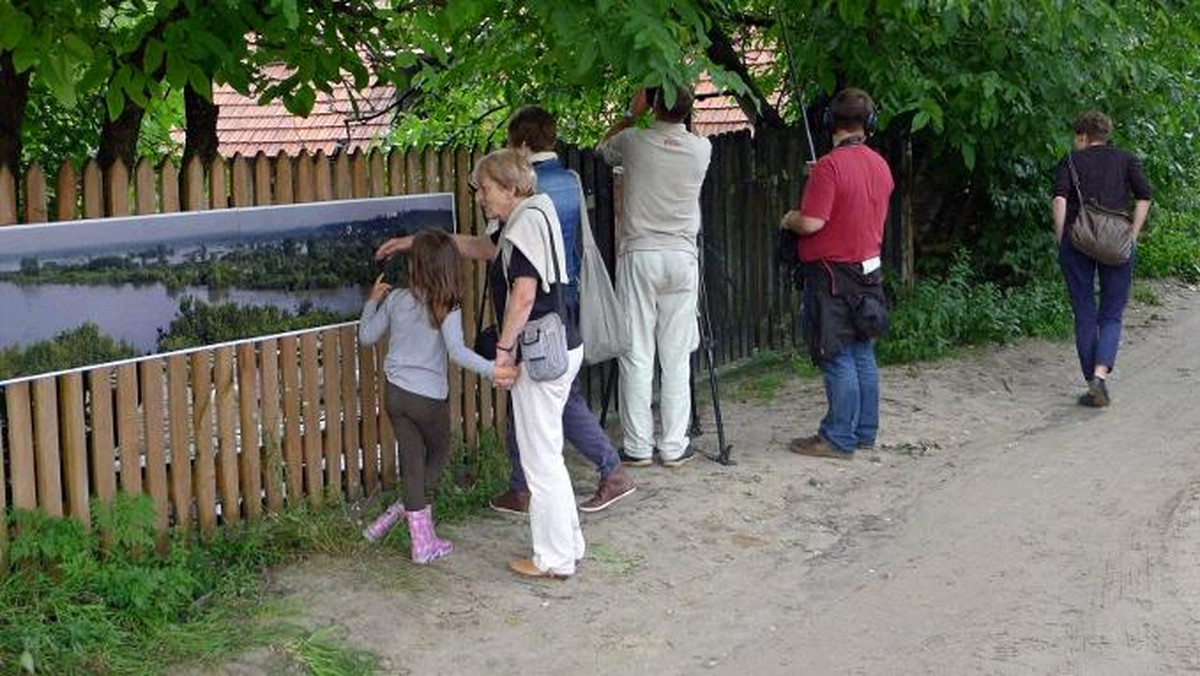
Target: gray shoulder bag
[
  {"x": 602, "y": 323},
  {"x": 543, "y": 341}
]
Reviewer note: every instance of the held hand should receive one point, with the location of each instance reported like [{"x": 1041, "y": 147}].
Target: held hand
[
  {"x": 506, "y": 369},
  {"x": 505, "y": 376},
  {"x": 380, "y": 290}
]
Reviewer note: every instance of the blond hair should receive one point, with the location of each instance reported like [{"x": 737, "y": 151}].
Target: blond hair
[{"x": 510, "y": 168}]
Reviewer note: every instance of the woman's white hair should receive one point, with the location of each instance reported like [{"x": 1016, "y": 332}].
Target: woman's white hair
[{"x": 510, "y": 168}]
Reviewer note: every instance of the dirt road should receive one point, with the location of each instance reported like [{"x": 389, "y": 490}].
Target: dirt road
[{"x": 1000, "y": 529}]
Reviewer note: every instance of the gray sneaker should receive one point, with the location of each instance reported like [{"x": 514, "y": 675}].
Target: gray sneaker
[
  {"x": 685, "y": 457},
  {"x": 631, "y": 461},
  {"x": 1096, "y": 395}
]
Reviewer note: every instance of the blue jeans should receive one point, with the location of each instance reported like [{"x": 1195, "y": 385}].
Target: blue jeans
[
  {"x": 852, "y": 390},
  {"x": 1097, "y": 332}
]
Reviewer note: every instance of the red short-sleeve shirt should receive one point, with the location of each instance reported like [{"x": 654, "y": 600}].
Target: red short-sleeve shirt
[{"x": 849, "y": 189}]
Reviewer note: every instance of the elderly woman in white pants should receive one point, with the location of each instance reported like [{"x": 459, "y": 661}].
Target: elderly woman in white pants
[
  {"x": 532, "y": 262},
  {"x": 528, "y": 239}
]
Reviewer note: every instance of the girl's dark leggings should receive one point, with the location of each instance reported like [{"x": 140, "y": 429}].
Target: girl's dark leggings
[{"x": 422, "y": 427}]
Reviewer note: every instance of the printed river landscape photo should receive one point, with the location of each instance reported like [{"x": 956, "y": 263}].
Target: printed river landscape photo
[{"x": 79, "y": 293}]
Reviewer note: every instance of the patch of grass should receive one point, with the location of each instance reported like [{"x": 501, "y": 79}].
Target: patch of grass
[
  {"x": 332, "y": 530},
  {"x": 472, "y": 479},
  {"x": 612, "y": 560},
  {"x": 1145, "y": 294},
  {"x": 803, "y": 367},
  {"x": 760, "y": 377},
  {"x": 70, "y": 605},
  {"x": 760, "y": 388},
  {"x": 325, "y": 653}
]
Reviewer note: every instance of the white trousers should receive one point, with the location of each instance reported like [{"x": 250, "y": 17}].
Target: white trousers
[
  {"x": 658, "y": 291},
  {"x": 537, "y": 414}
]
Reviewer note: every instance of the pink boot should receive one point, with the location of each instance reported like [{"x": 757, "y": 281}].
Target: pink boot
[
  {"x": 384, "y": 523},
  {"x": 426, "y": 545}
]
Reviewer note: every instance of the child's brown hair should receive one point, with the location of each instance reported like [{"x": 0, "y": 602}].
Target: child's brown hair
[{"x": 435, "y": 276}]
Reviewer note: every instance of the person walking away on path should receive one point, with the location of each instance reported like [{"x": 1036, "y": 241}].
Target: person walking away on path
[
  {"x": 658, "y": 278},
  {"x": 1112, "y": 177},
  {"x": 840, "y": 223},
  {"x": 422, "y": 324},
  {"x": 534, "y": 130}
]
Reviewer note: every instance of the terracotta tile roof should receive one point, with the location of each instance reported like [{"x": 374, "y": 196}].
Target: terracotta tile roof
[
  {"x": 714, "y": 113},
  {"x": 246, "y": 127}
]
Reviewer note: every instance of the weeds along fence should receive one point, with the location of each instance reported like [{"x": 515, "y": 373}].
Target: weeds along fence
[{"x": 222, "y": 434}]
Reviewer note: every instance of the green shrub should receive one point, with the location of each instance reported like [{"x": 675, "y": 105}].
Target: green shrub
[
  {"x": 72, "y": 605},
  {"x": 1020, "y": 254},
  {"x": 76, "y": 603},
  {"x": 961, "y": 308},
  {"x": 1170, "y": 246}
]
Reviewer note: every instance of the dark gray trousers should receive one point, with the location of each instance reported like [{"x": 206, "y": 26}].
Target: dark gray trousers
[{"x": 422, "y": 427}]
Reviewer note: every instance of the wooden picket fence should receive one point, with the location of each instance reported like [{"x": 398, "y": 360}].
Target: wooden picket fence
[
  {"x": 222, "y": 434},
  {"x": 212, "y": 435}
]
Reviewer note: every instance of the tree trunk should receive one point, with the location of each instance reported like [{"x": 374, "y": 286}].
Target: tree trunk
[
  {"x": 119, "y": 137},
  {"x": 201, "y": 117},
  {"x": 14, "y": 95},
  {"x": 722, "y": 52}
]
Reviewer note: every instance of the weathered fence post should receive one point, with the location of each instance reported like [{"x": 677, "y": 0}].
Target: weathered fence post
[{"x": 35, "y": 194}]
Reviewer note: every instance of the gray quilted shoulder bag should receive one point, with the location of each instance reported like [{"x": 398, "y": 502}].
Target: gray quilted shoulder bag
[{"x": 543, "y": 341}]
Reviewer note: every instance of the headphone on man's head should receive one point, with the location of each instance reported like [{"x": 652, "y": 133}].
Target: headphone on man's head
[{"x": 870, "y": 125}]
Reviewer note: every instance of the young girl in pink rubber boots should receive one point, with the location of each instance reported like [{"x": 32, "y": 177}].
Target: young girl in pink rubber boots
[{"x": 422, "y": 323}]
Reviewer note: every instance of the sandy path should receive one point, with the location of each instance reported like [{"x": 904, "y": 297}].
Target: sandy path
[{"x": 1000, "y": 530}]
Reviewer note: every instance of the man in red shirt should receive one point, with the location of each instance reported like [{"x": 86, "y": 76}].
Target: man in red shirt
[{"x": 840, "y": 224}]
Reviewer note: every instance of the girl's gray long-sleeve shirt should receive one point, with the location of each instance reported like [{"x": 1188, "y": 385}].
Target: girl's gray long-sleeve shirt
[{"x": 416, "y": 358}]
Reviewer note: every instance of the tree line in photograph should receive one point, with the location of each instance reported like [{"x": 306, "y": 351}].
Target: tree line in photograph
[
  {"x": 336, "y": 255},
  {"x": 195, "y": 324},
  {"x": 332, "y": 257}
]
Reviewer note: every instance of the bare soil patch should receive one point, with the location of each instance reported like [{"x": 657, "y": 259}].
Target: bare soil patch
[{"x": 999, "y": 528}]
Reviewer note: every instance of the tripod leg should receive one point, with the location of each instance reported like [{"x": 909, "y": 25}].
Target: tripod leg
[
  {"x": 610, "y": 387},
  {"x": 707, "y": 342},
  {"x": 723, "y": 456},
  {"x": 694, "y": 430}
]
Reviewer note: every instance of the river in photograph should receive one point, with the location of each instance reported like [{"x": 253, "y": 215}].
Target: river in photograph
[{"x": 134, "y": 313}]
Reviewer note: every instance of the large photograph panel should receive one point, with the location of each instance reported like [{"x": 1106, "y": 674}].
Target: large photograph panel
[{"x": 79, "y": 293}]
